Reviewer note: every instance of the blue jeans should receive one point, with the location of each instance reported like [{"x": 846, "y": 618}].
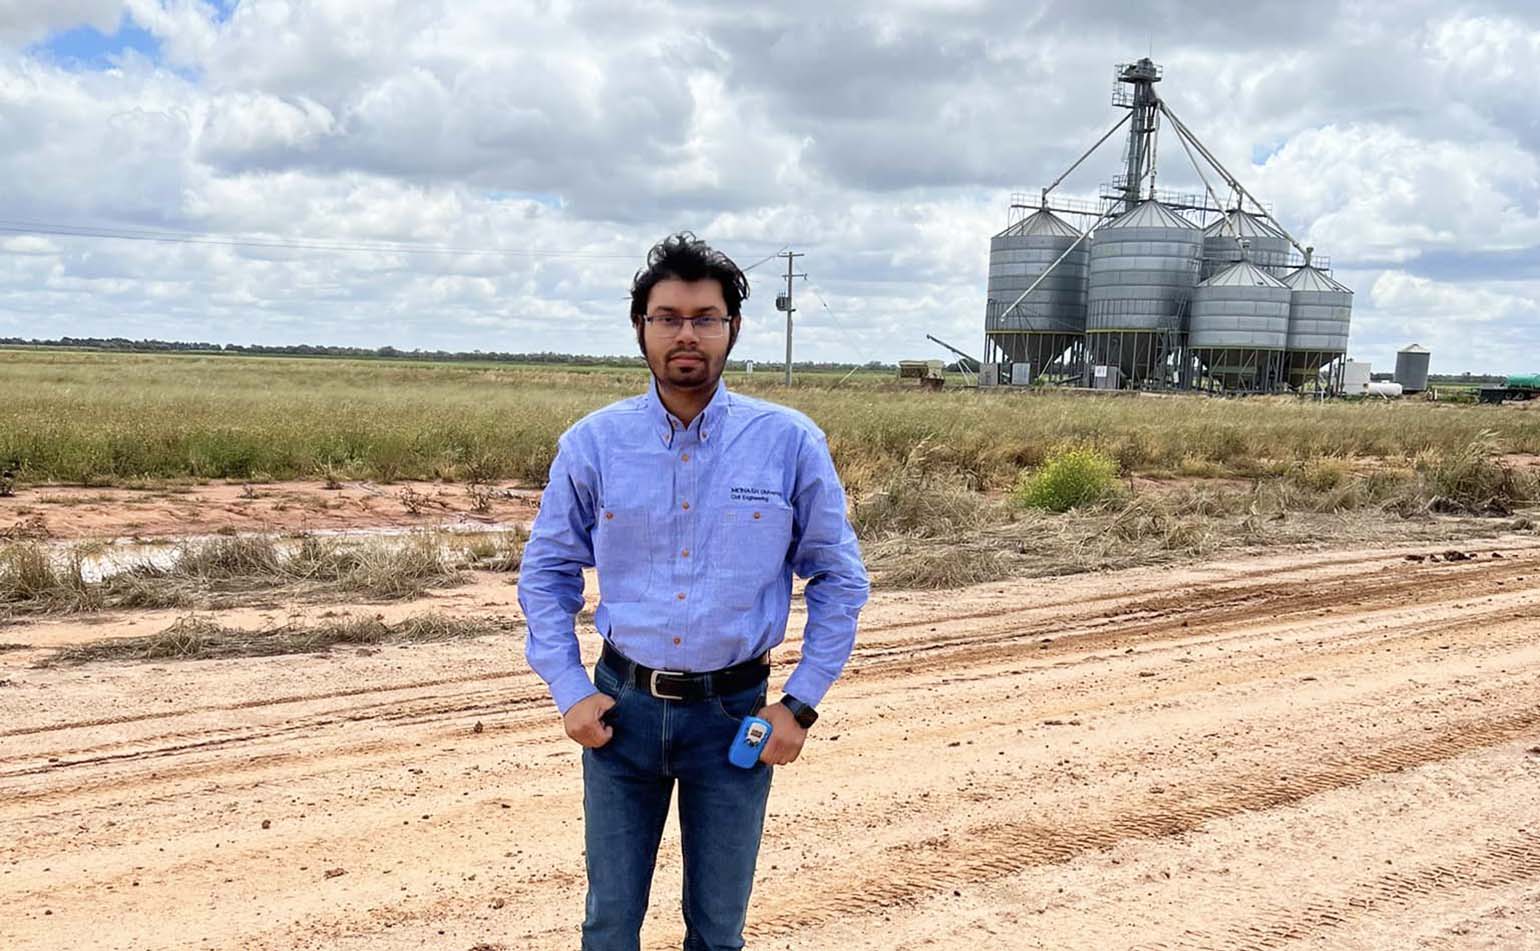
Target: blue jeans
[{"x": 627, "y": 785}]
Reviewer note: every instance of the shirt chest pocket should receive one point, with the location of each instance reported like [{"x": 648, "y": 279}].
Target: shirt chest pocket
[
  {"x": 622, "y": 554},
  {"x": 752, "y": 544}
]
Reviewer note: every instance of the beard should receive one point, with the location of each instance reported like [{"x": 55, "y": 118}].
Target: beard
[{"x": 686, "y": 368}]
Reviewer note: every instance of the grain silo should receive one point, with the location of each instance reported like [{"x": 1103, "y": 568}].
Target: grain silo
[
  {"x": 1320, "y": 310},
  {"x": 1041, "y": 328},
  {"x": 1412, "y": 368},
  {"x": 1242, "y": 235},
  {"x": 1146, "y": 257},
  {"x": 1144, "y": 266},
  {"x": 1238, "y": 328}
]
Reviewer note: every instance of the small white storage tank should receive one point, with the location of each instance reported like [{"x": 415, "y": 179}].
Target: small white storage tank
[{"x": 1383, "y": 388}]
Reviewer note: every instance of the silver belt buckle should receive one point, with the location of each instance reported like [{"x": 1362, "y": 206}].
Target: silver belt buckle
[{"x": 652, "y": 685}]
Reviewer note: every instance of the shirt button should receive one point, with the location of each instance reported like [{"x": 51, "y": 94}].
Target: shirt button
[
  {"x": 686, "y": 505},
  {"x": 756, "y": 515},
  {"x": 676, "y": 642},
  {"x": 685, "y": 553},
  {"x": 684, "y": 457},
  {"x": 680, "y": 595},
  {"x": 609, "y": 514}
]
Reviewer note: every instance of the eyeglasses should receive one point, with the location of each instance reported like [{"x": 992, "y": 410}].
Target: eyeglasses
[{"x": 669, "y": 325}]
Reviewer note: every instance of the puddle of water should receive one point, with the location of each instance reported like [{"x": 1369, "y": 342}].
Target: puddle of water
[{"x": 102, "y": 559}]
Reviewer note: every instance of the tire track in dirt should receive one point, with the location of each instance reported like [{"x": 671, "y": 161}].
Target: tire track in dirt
[
  {"x": 973, "y": 654},
  {"x": 1001, "y": 642},
  {"x": 991, "y": 851},
  {"x": 259, "y": 702},
  {"x": 1184, "y": 602},
  {"x": 1160, "y": 596},
  {"x": 1510, "y": 862}
]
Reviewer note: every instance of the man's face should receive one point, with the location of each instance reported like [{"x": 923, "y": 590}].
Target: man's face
[{"x": 686, "y": 359}]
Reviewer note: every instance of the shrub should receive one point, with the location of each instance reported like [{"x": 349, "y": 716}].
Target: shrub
[
  {"x": 1321, "y": 474},
  {"x": 1068, "y": 479}
]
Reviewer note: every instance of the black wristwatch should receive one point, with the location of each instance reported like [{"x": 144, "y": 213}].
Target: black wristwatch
[{"x": 804, "y": 714}]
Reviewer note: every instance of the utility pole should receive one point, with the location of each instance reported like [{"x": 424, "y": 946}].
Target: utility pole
[{"x": 784, "y": 302}]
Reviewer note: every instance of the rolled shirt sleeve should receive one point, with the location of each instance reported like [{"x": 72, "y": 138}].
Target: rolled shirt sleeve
[
  {"x": 560, "y": 546},
  {"x": 826, "y": 553}
]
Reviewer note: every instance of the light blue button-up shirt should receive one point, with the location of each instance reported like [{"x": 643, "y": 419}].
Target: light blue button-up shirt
[{"x": 695, "y": 531}]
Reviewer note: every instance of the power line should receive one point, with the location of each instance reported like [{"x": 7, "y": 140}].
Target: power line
[
  {"x": 14, "y": 226},
  {"x": 813, "y": 289},
  {"x": 21, "y": 226},
  {"x": 769, "y": 257}
]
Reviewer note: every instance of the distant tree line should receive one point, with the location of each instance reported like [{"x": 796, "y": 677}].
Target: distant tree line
[
  {"x": 124, "y": 345},
  {"x": 1474, "y": 379}
]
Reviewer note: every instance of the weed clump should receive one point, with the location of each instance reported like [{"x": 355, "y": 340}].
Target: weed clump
[
  {"x": 197, "y": 638},
  {"x": 1068, "y": 479},
  {"x": 925, "y": 497},
  {"x": 942, "y": 567},
  {"x": 31, "y": 577},
  {"x": 1470, "y": 481}
]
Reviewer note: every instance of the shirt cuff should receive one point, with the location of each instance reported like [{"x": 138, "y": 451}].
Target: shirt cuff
[
  {"x": 807, "y": 685},
  {"x": 571, "y": 687}
]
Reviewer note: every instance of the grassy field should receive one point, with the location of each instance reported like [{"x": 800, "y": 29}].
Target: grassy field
[{"x": 122, "y": 419}]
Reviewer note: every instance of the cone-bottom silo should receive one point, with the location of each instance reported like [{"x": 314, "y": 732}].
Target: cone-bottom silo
[
  {"x": 1320, "y": 311},
  {"x": 1044, "y": 329},
  {"x": 1238, "y": 328},
  {"x": 1241, "y": 235},
  {"x": 1144, "y": 266}
]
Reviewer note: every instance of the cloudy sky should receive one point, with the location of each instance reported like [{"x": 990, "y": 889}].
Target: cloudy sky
[{"x": 1402, "y": 139}]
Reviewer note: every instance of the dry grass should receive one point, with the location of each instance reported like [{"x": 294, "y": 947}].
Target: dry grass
[
  {"x": 1309, "y": 506},
  {"x": 493, "y": 551},
  {"x": 907, "y": 564},
  {"x": 921, "y": 499},
  {"x": 199, "y": 638},
  {"x": 109, "y": 419},
  {"x": 225, "y": 571}
]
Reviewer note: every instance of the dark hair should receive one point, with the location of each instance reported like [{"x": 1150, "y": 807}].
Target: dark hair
[{"x": 684, "y": 257}]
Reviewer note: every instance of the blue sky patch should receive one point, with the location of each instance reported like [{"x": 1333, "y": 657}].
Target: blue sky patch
[
  {"x": 88, "y": 48},
  {"x": 1261, "y": 152}
]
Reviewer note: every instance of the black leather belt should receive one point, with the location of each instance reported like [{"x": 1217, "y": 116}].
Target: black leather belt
[{"x": 684, "y": 685}]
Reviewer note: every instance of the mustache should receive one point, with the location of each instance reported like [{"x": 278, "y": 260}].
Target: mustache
[{"x": 680, "y": 351}]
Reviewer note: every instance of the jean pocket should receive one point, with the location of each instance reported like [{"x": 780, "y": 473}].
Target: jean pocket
[
  {"x": 622, "y": 554},
  {"x": 745, "y": 703},
  {"x": 609, "y": 682}
]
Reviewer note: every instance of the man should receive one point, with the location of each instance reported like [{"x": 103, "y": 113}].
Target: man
[{"x": 696, "y": 505}]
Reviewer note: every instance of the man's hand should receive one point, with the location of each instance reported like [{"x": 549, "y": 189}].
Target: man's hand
[
  {"x": 582, "y": 720},
  {"x": 786, "y": 736}
]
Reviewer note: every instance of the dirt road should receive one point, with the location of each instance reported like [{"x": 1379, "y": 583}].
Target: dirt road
[{"x": 1332, "y": 750}]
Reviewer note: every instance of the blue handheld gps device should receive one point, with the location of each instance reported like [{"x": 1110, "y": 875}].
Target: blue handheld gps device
[{"x": 753, "y": 733}]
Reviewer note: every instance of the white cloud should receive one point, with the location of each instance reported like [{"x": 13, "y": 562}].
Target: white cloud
[
  {"x": 882, "y": 140},
  {"x": 1373, "y": 192},
  {"x": 24, "y": 21}
]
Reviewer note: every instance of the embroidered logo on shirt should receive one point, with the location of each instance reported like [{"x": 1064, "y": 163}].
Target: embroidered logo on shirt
[{"x": 739, "y": 494}]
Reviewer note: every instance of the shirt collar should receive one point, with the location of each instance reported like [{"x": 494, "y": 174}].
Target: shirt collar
[{"x": 706, "y": 425}]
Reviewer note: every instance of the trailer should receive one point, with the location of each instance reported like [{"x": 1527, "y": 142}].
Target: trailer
[{"x": 1523, "y": 387}]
